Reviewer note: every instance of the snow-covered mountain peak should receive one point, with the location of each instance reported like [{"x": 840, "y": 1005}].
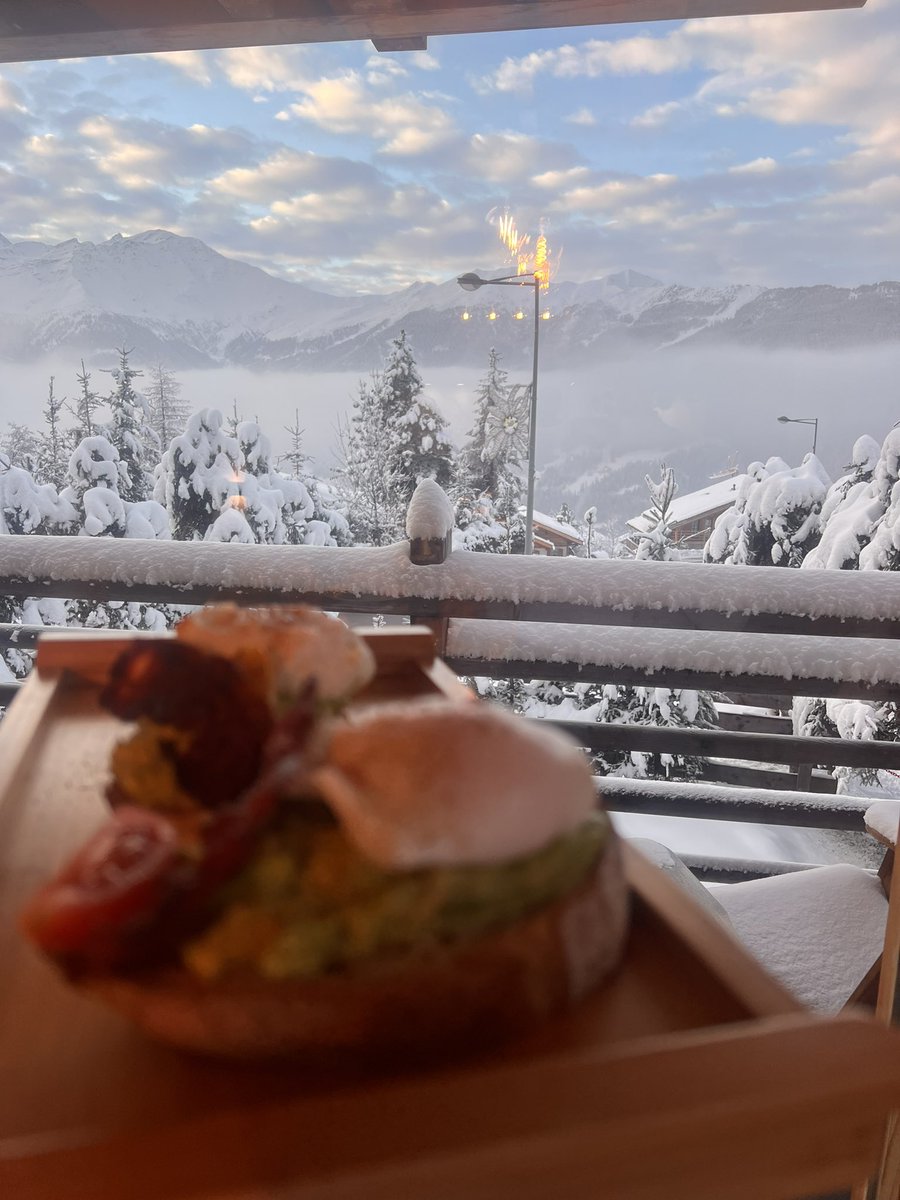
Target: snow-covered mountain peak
[{"x": 178, "y": 301}]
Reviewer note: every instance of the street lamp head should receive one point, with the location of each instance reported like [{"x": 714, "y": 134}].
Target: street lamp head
[
  {"x": 470, "y": 282},
  {"x": 784, "y": 420}
]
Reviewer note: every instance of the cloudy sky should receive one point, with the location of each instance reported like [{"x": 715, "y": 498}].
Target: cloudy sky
[{"x": 744, "y": 149}]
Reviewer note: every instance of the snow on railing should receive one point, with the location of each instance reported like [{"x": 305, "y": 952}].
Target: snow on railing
[
  {"x": 788, "y": 664},
  {"x": 429, "y": 524},
  {"x": 492, "y": 586}
]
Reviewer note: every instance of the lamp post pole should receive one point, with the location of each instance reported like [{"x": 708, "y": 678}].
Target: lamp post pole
[
  {"x": 470, "y": 283},
  {"x": 814, "y": 421},
  {"x": 532, "y": 423}
]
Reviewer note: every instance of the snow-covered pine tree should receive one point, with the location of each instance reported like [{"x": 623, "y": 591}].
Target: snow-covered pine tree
[
  {"x": 477, "y": 526},
  {"x": 776, "y": 517},
  {"x": 234, "y": 419},
  {"x": 673, "y": 708},
  {"x": 85, "y": 406},
  {"x": 478, "y": 471},
  {"x": 316, "y": 520},
  {"x": 197, "y": 475},
  {"x": 656, "y": 544},
  {"x": 276, "y": 507},
  {"x": 420, "y": 447},
  {"x": 130, "y": 431},
  {"x": 860, "y": 526},
  {"x": 54, "y": 450},
  {"x": 168, "y": 411},
  {"x": 367, "y": 477},
  {"x": 26, "y": 507},
  {"x": 96, "y": 509},
  {"x": 22, "y": 447},
  {"x": 96, "y": 474}
]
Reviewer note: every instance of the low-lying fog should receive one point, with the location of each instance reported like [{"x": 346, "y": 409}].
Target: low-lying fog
[{"x": 662, "y": 403}]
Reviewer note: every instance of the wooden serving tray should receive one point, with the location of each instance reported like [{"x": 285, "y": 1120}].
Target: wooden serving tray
[{"x": 691, "y": 1076}]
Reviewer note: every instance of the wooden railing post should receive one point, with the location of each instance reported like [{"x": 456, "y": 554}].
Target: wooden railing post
[{"x": 429, "y": 527}]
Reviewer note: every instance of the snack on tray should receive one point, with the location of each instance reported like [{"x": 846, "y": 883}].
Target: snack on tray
[{"x": 410, "y": 879}]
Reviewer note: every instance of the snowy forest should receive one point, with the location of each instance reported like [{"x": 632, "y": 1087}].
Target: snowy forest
[{"x": 133, "y": 461}]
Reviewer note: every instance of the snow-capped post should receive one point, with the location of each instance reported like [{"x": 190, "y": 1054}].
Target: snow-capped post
[
  {"x": 429, "y": 527},
  {"x": 429, "y": 524}
]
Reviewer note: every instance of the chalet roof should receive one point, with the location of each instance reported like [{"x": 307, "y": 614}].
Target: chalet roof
[
  {"x": 720, "y": 494},
  {"x": 70, "y": 28},
  {"x": 560, "y": 528}
]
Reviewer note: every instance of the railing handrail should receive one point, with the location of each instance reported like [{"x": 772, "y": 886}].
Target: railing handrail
[{"x": 491, "y": 587}]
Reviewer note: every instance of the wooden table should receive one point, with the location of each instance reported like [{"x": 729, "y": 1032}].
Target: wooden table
[{"x": 691, "y": 1076}]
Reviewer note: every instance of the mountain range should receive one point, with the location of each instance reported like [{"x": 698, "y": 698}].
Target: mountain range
[{"x": 177, "y": 301}]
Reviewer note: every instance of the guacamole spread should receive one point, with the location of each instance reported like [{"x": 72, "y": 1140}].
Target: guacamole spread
[{"x": 309, "y": 902}]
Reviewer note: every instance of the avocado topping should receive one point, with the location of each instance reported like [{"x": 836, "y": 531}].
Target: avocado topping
[{"x": 309, "y": 902}]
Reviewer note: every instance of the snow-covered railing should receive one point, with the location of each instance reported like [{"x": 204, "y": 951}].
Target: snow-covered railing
[
  {"x": 760, "y": 632},
  {"x": 844, "y": 604}
]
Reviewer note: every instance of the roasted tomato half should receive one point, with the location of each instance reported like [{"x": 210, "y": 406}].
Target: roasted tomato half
[{"x": 115, "y": 885}]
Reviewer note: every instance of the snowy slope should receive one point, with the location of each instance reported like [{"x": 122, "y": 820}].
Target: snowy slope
[{"x": 176, "y": 299}]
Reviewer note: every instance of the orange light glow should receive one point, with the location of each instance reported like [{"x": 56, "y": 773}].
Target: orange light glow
[
  {"x": 537, "y": 261},
  {"x": 238, "y": 502}
]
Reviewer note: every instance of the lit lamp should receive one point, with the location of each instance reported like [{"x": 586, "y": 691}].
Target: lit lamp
[
  {"x": 814, "y": 421},
  {"x": 470, "y": 282}
]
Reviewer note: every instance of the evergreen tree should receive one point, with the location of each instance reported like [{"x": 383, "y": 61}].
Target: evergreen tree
[
  {"x": 168, "y": 412},
  {"x": 656, "y": 543},
  {"x": 130, "y": 431},
  {"x": 368, "y": 474},
  {"x": 859, "y": 516},
  {"x": 22, "y": 447},
  {"x": 86, "y": 404},
  {"x": 776, "y": 517},
  {"x": 234, "y": 420},
  {"x": 96, "y": 473},
  {"x": 53, "y": 453},
  {"x": 197, "y": 475},
  {"x": 479, "y": 471},
  {"x": 420, "y": 448}
]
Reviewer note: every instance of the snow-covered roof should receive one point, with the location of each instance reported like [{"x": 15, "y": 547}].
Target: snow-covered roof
[
  {"x": 719, "y": 494},
  {"x": 561, "y": 528}
]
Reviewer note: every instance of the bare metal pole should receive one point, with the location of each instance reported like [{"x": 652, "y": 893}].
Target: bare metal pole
[{"x": 532, "y": 423}]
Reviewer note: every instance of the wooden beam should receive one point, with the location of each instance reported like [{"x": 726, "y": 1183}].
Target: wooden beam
[
  {"x": 76, "y": 28},
  {"x": 748, "y": 747},
  {"x": 706, "y": 681}
]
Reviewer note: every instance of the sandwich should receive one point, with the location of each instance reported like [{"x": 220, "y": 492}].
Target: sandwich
[{"x": 407, "y": 879}]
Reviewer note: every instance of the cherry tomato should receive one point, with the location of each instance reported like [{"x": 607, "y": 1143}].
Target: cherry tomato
[{"x": 121, "y": 877}]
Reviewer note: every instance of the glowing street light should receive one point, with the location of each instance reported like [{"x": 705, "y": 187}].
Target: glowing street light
[
  {"x": 470, "y": 282},
  {"x": 814, "y": 421}
]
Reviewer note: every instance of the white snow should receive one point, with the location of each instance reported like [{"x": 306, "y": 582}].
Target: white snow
[
  {"x": 883, "y": 818},
  {"x": 818, "y": 931},
  {"x": 430, "y": 513},
  {"x": 785, "y": 657},
  {"x": 623, "y": 585}
]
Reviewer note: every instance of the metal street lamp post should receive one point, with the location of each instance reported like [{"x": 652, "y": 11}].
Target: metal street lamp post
[
  {"x": 814, "y": 421},
  {"x": 471, "y": 283}
]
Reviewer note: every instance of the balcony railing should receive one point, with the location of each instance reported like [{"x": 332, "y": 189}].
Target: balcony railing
[{"x": 757, "y": 634}]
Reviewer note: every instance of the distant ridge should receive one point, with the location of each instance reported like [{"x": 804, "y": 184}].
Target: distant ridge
[{"x": 177, "y": 301}]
